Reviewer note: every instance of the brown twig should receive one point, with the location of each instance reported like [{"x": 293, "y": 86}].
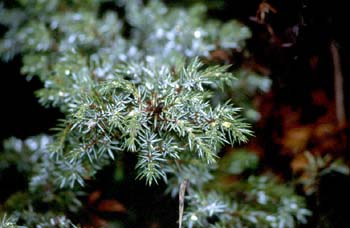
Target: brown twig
[
  {"x": 338, "y": 86},
  {"x": 182, "y": 191}
]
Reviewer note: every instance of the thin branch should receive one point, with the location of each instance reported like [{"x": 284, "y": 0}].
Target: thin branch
[
  {"x": 182, "y": 191},
  {"x": 338, "y": 86}
]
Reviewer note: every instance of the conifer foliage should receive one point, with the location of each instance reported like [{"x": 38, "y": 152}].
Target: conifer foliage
[{"x": 139, "y": 83}]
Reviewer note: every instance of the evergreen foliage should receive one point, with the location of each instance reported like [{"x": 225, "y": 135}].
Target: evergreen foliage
[{"x": 140, "y": 83}]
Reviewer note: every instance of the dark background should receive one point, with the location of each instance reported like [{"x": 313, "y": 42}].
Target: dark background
[{"x": 317, "y": 22}]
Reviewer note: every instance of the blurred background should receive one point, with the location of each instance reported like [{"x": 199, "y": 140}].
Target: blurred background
[{"x": 301, "y": 123}]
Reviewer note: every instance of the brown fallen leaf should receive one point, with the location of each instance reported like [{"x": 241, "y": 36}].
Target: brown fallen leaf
[
  {"x": 296, "y": 139},
  {"x": 220, "y": 56},
  {"x": 299, "y": 163},
  {"x": 111, "y": 206},
  {"x": 324, "y": 131},
  {"x": 94, "y": 196},
  {"x": 99, "y": 222},
  {"x": 264, "y": 8}
]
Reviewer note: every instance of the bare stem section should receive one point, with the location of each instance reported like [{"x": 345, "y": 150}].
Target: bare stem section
[
  {"x": 182, "y": 200},
  {"x": 338, "y": 86}
]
